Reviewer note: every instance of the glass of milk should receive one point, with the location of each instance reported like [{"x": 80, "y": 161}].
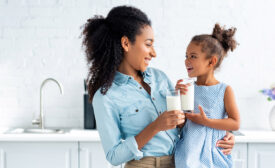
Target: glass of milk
[
  {"x": 187, "y": 100},
  {"x": 173, "y": 100}
]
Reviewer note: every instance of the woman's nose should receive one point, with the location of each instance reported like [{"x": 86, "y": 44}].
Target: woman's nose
[{"x": 153, "y": 53}]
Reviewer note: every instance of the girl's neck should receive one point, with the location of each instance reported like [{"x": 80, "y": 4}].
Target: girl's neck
[{"x": 207, "y": 80}]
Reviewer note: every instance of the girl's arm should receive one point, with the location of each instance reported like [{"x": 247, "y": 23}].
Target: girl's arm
[{"x": 230, "y": 124}]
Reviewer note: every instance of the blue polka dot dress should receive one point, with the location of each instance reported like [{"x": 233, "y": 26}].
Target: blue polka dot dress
[{"x": 197, "y": 146}]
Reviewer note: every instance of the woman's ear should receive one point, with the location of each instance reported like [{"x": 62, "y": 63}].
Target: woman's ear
[
  {"x": 213, "y": 61},
  {"x": 125, "y": 43}
]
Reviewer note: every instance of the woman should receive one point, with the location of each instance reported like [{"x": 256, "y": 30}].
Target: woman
[{"x": 128, "y": 98}]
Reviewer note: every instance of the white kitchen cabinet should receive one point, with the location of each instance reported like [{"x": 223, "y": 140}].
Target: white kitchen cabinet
[
  {"x": 261, "y": 155},
  {"x": 239, "y": 155},
  {"x": 91, "y": 155},
  {"x": 38, "y": 155}
]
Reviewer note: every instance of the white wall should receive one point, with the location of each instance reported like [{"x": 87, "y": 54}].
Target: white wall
[{"x": 40, "y": 39}]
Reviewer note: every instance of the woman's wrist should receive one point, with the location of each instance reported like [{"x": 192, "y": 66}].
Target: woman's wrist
[{"x": 155, "y": 127}]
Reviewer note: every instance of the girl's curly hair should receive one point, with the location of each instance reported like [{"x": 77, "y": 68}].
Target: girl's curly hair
[
  {"x": 102, "y": 42},
  {"x": 218, "y": 43}
]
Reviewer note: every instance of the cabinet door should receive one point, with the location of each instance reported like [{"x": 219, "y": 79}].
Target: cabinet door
[
  {"x": 91, "y": 155},
  {"x": 38, "y": 155},
  {"x": 239, "y": 155},
  {"x": 261, "y": 155}
]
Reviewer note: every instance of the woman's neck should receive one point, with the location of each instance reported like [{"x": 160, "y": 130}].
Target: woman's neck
[
  {"x": 128, "y": 70},
  {"x": 207, "y": 80}
]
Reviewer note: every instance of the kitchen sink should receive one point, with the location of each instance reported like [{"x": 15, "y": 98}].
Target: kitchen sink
[
  {"x": 237, "y": 133},
  {"x": 34, "y": 131},
  {"x": 43, "y": 131}
]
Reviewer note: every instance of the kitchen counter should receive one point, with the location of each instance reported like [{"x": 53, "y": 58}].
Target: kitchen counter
[
  {"x": 256, "y": 136},
  {"x": 249, "y": 136},
  {"x": 69, "y": 135}
]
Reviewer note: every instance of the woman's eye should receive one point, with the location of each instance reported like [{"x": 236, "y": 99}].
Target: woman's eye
[
  {"x": 192, "y": 56},
  {"x": 186, "y": 56},
  {"x": 149, "y": 45}
]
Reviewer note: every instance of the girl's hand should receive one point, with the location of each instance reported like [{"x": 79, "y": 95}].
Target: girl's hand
[
  {"x": 199, "y": 118},
  {"x": 227, "y": 143},
  {"x": 169, "y": 120},
  {"x": 182, "y": 87}
]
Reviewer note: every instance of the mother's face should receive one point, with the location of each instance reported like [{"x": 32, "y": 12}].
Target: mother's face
[{"x": 139, "y": 54}]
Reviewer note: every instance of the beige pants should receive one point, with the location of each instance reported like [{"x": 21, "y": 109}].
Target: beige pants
[{"x": 152, "y": 162}]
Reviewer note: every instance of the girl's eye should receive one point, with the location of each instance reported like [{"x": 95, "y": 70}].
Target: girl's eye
[
  {"x": 149, "y": 45},
  {"x": 192, "y": 56}
]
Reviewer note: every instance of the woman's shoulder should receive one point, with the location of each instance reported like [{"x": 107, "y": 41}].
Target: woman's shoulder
[
  {"x": 108, "y": 96},
  {"x": 98, "y": 96}
]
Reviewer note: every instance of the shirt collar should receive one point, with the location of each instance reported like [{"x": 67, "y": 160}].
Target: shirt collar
[{"x": 121, "y": 78}]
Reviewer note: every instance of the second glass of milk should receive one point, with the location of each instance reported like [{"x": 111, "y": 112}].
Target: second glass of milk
[
  {"x": 173, "y": 100},
  {"x": 187, "y": 100}
]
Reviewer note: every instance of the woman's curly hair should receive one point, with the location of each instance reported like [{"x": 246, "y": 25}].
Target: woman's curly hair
[
  {"x": 218, "y": 43},
  {"x": 102, "y": 42}
]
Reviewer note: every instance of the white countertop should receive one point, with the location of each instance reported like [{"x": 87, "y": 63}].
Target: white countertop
[
  {"x": 250, "y": 136},
  {"x": 71, "y": 135},
  {"x": 256, "y": 136}
]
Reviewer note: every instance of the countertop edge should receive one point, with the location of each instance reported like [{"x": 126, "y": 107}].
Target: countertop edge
[{"x": 93, "y": 136}]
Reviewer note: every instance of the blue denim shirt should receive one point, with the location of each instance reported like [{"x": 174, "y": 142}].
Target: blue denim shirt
[{"x": 126, "y": 110}]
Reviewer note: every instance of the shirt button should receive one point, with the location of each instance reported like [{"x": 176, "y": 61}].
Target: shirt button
[
  {"x": 153, "y": 98},
  {"x": 136, "y": 110},
  {"x": 140, "y": 87},
  {"x": 130, "y": 77}
]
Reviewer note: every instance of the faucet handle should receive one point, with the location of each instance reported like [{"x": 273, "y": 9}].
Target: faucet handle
[{"x": 36, "y": 121}]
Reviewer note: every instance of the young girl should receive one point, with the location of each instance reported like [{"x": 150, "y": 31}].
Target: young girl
[{"x": 215, "y": 109}]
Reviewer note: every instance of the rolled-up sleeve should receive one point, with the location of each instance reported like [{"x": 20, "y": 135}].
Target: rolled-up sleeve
[{"x": 117, "y": 149}]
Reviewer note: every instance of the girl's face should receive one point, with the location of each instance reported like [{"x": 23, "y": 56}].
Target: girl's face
[
  {"x": 196, "y": 62},
  {"x": 140, "y": 53}
]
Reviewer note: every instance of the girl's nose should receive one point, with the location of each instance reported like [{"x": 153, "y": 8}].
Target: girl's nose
[{"x": 187, "y": 61}]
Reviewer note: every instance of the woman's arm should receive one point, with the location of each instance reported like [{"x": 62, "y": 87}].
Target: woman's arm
[
  {"x": 229, "y": 124},
  {"x": 227, "y": 143},
  {"x": 167, "y": 120},
  {"x": 107, "y": 117},
  {"x": 117, "y": 149}
]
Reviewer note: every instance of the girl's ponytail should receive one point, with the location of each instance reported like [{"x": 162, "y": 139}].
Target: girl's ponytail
[{"x": 225, "y": 37}]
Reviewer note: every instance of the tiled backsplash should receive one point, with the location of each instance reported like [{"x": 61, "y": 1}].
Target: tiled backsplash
[{"x": 40, "y": 39}]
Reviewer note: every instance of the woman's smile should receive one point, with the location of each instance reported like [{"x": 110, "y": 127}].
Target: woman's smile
[{"x": 147, "y": 60}]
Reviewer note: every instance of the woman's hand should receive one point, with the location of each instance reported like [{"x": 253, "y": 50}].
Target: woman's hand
[
  {"x": 182, "y": 87},
  {"x": 169, "y": 120},
  {"x": 227, "y": 143},
  {"x": 199, "y": 118}
]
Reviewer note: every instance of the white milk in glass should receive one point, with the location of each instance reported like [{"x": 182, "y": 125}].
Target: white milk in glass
[
  {"x": 173, "y": 103},
  {"x": 187, "y": 100}
]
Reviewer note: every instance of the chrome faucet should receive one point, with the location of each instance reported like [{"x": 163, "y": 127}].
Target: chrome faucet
[{"x": 40, "y": 120}]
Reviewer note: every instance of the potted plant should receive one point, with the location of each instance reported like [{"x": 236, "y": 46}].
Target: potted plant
[{"x": 270, "y": 93}]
